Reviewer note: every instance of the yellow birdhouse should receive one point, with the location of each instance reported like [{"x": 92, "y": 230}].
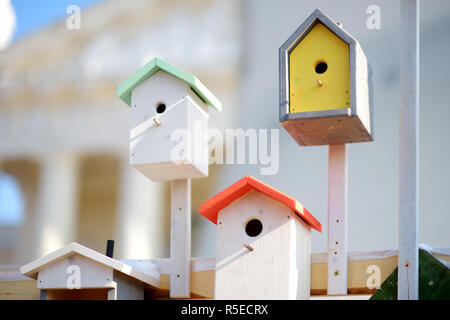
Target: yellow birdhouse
[{"x": 324, "y": 85}]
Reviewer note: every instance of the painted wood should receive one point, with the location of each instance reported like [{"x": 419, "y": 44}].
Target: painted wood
[
  {"x": 43, "y": 295},
  {"x": 125, "y": 89},
  {"x": 408, "y": 274},
  {"x": 320, "y": 45},
  {"x": 128, "y": 288},
  {"x": 13, "y": 287},
  {"x": 277, "y": 268},
  {"x": 337, "y": 220},
  {"x": 59, "y": 274},
  {"x": 33, "y": 268},
  {"x": 180, "y": 139},
  {"x": 180, "y": 239},
  {"x": 357, "y": 126},
  {"x": 112, "y": 294}
]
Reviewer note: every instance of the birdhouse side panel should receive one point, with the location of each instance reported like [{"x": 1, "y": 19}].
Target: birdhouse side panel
[
  {"x": 64, "y": 274},
  {"x": 197, "y": 124},
  {"x": 303, "y": 258},
  {"x": 167, "y": 151},
  {"x": 266, "y": 270},
  {"x": 362, "y": 91}
]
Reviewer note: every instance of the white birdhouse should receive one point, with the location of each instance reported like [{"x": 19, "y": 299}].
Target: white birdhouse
[
  {"x": 76, "y": 272},
  {"x": 169, "y": 121},
  {"x": 263, "y": 242}
]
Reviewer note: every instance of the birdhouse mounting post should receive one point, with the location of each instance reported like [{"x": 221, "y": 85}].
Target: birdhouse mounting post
[
  {"x": 408, "y": 266},
  {"x": 180, "y": 239},
  {"x": 337, "y": 220}
]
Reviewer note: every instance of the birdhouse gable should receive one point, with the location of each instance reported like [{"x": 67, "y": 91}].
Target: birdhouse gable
[
  {"x": 211, "y": 208},
  {"x": 196, "y": 87},
  {"x": 96, "y": 269},
  {"x": 324, "y": 84}
]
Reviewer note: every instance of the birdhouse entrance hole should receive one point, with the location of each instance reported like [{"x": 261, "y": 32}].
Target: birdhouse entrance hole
[
  {"x": 321, "y": 67},
  {"x": 253, "y": 228},
  {"x": 161, "y": 107}
]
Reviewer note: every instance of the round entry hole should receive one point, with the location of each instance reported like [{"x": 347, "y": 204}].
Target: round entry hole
[
  {"x": 253, "y": 228},
  {"x": 321, "y": 67},
  {"x": 161, "y": 108}
]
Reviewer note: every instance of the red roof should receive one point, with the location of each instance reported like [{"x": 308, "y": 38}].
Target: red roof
[{"x": 211, "y": 207}]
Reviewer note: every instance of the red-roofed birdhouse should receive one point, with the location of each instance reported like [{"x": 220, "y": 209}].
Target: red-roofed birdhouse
[{"x": 263, "y": 242}]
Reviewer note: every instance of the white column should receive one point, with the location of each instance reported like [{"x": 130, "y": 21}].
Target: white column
[
  {"x": 337, "y": 220},
  {"x": 408, "y": 259},
  {"x": 54, "y": 222},
  {"x": 142, "y": 217}
]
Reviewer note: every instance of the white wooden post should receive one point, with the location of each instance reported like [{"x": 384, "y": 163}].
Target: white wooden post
[
  {"x": 408, "y": 260},
  {"x": 337, "y": 220},
  {"x": 180, "y": 239}
]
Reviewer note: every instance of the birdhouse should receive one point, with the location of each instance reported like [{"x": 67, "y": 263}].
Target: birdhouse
[
  {"x": 76, "y": 272},
  {"x": 169, "y": 121},
  {"x": 263, "y": 242},
  {"x": 324, "y": 85}
]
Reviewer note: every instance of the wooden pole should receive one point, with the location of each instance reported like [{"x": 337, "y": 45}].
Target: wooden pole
[
  {"x": 408, "y": 263},
  {"x": 337, "y": 220},
  {"x": 180, "y": 239}
]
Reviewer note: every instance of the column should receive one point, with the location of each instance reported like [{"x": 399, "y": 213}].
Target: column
[
  {"x": 54, "y": 221},
  {"x": 142, "y": 220}
]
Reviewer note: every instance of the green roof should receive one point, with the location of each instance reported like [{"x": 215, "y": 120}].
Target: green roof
[{"x": 124, "y": 89}]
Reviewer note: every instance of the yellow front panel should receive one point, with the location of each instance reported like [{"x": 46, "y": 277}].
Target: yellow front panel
[{"x": 311, "y": 88}]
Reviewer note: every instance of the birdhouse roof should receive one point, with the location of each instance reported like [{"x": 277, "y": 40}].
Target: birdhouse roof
[
  {"x": 126, "y": 87},
  {"x": 31, "y": 270},
  {"x": 316, "y": 17},
  {"x": 211, "y": 207}
]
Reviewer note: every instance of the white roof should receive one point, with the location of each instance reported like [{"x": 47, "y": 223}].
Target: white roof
[{"x": 31, "y": 269}]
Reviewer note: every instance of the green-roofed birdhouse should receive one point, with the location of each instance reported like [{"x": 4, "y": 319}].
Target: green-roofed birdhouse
[{"x": 169, "y": 121}]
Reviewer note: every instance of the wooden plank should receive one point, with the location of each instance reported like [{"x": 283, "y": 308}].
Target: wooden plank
[
  {"x": 337, "y": 220},
  {"x": 19, "y": 290},
  {"x": 77, "y": 294},
  {"x": 408, "y": 275},
  {"x": 180, "y": 239},
  {"x": 203, "y": 273}
]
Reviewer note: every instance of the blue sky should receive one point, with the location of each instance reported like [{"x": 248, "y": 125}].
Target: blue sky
[{"x": 32, "y": 15}]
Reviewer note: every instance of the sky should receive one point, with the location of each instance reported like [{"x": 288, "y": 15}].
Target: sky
[{"x": 32, "y": 15}]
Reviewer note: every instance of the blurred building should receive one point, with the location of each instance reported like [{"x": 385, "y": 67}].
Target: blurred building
[{"x": 64, "y": 133}]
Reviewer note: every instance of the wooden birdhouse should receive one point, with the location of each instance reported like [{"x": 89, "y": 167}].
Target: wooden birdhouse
[
  {"x": 169, "y": 121},
  {"x": 324, "y": 85},
  {"x": 263, "y": 242},
  {"x": 79, "y": 273}
]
